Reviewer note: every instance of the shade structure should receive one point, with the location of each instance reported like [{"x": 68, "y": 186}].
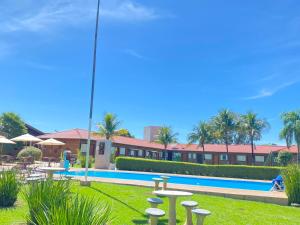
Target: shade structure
[
  {"x": 51, "y": 142},
  {"x": 26, "y": 138},
  {"x": 4, "y": 140}
]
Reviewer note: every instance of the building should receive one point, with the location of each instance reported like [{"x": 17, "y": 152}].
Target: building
[
  {"x": 151, "y": 132},
  {"x": 33, "y": 131},
  {"x": 76, "y": 140}
]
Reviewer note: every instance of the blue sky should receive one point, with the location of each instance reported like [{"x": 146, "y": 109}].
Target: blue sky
[{"x": 159, "y": 62}]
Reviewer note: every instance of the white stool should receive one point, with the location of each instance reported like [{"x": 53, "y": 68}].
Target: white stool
[
  {"x": 156, "y": 183},
  {"x": 201, "y": 214},
  {"x": 165, "y": 182},
  {"x": 189, "y": 205},
  {"x": 154, "y": 214},
  {"x": 154, "y": 202}
]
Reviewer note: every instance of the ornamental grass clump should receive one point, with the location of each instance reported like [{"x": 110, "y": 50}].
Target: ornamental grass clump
[
  {"x": 51, "y": 202},
  {"x": 77, "y": 210},
  {"x": 46, "y": 193},
  {"x": 291, "y": 178},
  {"x": 9, "y": 188}
]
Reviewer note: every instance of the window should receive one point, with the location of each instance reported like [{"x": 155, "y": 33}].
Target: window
[
  {"x": 83, "y": 147},
  {"x": 208, "y": 156},
  {"x": 140, "y": 153},
  {"x": 101, "y": 148},
  {"x": 177, "y": 156},
  {"x": 122, "y": 151},
  {"x": 192, "y": 155},
  {"x": 241, "y": 158},
  {"x": 132, "y": 153},
  {"x": 259, "y": 158},
  {"x": 223, "y": 157}
]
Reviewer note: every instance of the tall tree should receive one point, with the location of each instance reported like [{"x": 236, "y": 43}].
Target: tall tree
[
  {"x": 253, "y": 128},
  {"x": 124, "y": 133},
  {"x": 11, "y": 125},
  {"x": 109, "y": 125},
  {"x": 165, "y": 137},
  {"x": 224, "y": 126},
  {"x": 201, "y": 134},
  {"x": 240, "y": 135},
  {"x": 291, "y": 129}
]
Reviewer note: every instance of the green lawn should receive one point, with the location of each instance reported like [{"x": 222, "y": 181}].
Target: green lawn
[{"x": 129, "y": 203}]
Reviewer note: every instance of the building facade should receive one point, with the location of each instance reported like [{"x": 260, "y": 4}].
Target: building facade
[{"x": 76, "y": 140}]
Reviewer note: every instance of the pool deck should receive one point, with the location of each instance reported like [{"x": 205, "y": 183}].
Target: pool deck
[{"x": 279, "y": 198}]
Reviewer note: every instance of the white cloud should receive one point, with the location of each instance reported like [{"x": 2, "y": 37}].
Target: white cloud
[
  {"x": 267, "y": 92},
  {"x": 73, "y": 12},
  {"x": 133, "y": 53},
  {"x": 129, "y": 11}
]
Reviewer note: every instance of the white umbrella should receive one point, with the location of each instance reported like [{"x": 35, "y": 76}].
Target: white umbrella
[
  {"x": 51, "y": 142},
  {"x": 4, "y": 140},
  {"x": 26, "y": 138}
]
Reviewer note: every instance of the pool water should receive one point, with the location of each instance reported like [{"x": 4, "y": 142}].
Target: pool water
[{"x": 198, "y": 181}]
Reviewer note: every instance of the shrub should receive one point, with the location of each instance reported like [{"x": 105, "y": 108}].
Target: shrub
[
  {"x": 76, "y": 211},
  {"x": 51, "y": 202},
  {"x": 284, "y": 158},
  {"x": 48, "y": 193},
  {"x": 82, "y": 159},
  {"x": 30, "y": 151},
  {"x": 234, "y": 171},
  {"x": 291, "y": 178},
  {"x": 9, "y": 188}
]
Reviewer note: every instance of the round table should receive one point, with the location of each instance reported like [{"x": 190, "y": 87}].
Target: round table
[
  {"x": 51, "y": 170},
  {"x": 172, "y": 196}
]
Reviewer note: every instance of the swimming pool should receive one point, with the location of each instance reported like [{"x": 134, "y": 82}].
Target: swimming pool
[{"x": 198, "y": 181}]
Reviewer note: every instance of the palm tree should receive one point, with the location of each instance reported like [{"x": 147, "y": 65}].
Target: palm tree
[
  {"x": 291, "y": 129},
  {"x": 253, "y": 128},
  {"x": 224, "y": 126},
  {"x": 165, "y": 137},
  {"x": 108, "y": 127},
  {"x": 202, "y": 134}
]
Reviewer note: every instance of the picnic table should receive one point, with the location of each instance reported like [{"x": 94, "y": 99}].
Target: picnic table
[
  {"x": 172, "y": 196},
  {"x": 51, "y": 170}
]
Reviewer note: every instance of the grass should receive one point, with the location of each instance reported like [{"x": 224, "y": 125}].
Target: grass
[{"x": 129, "y": 203}]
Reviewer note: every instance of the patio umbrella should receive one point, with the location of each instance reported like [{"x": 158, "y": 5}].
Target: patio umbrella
[
  {"x": 26, "y": 138},
  {"x": 4, "y": 140},
  {"x": 51, "y": 142}
]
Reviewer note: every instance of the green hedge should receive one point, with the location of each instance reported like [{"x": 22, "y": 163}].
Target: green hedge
[{"x": 233, "y": 171}]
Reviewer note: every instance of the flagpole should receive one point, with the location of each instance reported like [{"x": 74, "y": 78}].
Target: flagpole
[{"x": 92, "y": 99}]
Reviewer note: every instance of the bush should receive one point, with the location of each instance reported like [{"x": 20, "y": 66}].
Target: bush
[
  {"x": 82, "y": 159},
  {"x": 51, "y": 202},
  {"x": 291, "y": 178},
  {"x": 284, "y": 158},
  {"x": 34, "y": 152},
  {"x": 233, "y": 171},
  {"x": 48, "y": 193},
  {"x": 9, "y": 188},
  {"x": 76, "y": 211}
]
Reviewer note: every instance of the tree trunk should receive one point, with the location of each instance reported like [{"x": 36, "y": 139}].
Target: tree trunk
[
  {"x": 252, "y": 151},
  {"x": 227, "y": 150},
  {"x": 166, "y": 154},
  {"x": 203, "y": 155},
  {"x": 298, "y": 148}
]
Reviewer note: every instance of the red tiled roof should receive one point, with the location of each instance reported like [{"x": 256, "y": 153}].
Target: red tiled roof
[
  {"x": 68, "y": 134},
  {"x": 83, "y": 134},
  {"x": 292, "y": 149}
]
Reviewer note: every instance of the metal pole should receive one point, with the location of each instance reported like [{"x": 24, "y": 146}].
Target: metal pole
[{"x": 92, "y": 96}]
